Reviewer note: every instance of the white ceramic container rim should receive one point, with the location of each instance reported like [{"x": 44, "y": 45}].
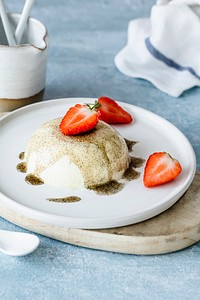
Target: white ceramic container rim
[{"x": 30, "y": 45}]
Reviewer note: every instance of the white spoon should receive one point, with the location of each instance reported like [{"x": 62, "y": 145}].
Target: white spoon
[
  {"x": 22, "y": 22},
  {"x": 17, "y": 243},
  {"x": 6, "y": 25}
]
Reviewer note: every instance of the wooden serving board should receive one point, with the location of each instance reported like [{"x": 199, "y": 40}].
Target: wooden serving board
[{"x": 174, "y": 229}]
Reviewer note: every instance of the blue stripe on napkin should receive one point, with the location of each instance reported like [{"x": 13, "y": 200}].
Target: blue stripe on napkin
[{"x": 169, "y": 62}]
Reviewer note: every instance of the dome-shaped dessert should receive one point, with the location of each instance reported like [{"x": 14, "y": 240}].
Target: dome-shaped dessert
[{"x": 85, "y": 160}]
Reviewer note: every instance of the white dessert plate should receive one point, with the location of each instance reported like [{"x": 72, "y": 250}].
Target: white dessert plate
[{"x": 132, "y": 204}]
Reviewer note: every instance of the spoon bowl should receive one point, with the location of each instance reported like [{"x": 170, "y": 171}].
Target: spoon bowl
[{"x": 17, "y": 243}]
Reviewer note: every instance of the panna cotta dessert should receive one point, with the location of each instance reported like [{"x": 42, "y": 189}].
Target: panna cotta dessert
[{"x": 85, "y": 160}]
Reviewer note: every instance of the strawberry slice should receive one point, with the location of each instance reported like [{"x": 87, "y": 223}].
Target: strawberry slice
[
  {"x": 160, "y": 168},
  {"x": 78, "y": 119},
  {"x": 111, "y": 112}
]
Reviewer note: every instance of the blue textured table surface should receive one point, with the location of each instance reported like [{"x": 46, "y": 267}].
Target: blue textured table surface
[{"x": 84, "y": 37}]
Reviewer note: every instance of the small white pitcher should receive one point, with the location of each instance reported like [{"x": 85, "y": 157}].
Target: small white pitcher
[{"x": 23, "y": 67}]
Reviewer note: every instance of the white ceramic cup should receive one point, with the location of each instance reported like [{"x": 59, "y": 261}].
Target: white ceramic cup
[{"x": 23, "y": 67}]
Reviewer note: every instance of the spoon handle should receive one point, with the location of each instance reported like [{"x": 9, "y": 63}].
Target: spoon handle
[
  {"x": 22, "y": 22},
  {"x": 6, "y": 25}
]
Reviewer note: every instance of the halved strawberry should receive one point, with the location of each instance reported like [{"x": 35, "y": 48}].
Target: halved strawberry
[
  {"x": 160, "y": 168},
  {"x": 78, "y": 119},
  {"x": 111, "y": 112}
]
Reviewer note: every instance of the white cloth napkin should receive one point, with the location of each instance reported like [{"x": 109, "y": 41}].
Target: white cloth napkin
[{"x": 165, "y": 48}]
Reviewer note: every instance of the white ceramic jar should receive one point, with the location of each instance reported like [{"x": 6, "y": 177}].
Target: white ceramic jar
[{"x": 23, "y": 67}]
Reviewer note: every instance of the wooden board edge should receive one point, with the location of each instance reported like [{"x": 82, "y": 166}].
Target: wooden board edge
[{"x": 106, "y": 241}]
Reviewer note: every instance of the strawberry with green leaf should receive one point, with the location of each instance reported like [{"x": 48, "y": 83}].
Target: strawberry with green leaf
[
  {"x": 79, "y": 119},
  {"x": 84, "y": 117}
]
